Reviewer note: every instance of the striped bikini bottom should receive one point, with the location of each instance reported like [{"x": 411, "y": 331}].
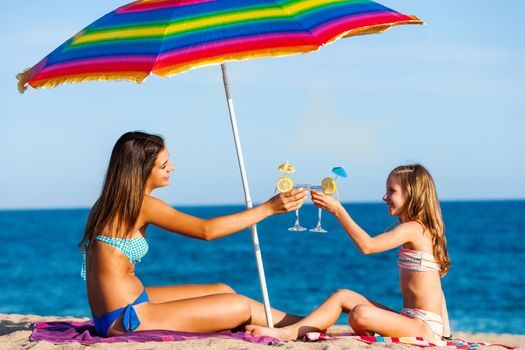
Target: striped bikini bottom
[{"x": 434, "y": 320}]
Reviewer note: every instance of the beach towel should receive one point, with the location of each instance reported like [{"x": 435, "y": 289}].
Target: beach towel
[
  {"x": 84, "y": 333},
  {"x": 417, "y": 341}
]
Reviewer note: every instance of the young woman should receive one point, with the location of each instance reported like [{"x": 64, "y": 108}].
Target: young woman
[
  {"x": 423, "y": 260},
  {"x": 115, "y": 239}
]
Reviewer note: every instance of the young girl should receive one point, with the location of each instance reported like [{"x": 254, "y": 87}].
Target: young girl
[
  {"x": 115, "y": 239},
  {"x": 423, "y": 260}
]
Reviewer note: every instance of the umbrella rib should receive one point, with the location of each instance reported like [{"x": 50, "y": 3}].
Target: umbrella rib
[
  {"x": 162, "y": 42},
  {"x": 298, "y": 22}
]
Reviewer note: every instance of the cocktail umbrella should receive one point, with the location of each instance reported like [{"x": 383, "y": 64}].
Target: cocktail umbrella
[
  {"x": 165, "y": 37},
  {"x": 339, "y": 171}
]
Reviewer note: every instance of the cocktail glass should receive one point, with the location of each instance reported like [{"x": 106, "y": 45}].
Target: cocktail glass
[
  {"x": 297, "y": 226},
  {"x": 318, "y": 228}
]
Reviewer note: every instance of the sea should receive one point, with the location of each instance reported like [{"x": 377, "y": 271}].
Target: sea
[{"x": 485, "y": 288}]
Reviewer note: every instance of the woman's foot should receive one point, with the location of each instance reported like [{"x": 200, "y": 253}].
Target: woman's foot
[{"x": 284, "y": 333}]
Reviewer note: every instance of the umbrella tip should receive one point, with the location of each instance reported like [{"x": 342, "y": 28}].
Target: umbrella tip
[{"x": 22, "y": 80}]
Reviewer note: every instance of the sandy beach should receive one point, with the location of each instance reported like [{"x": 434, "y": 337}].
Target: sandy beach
[{"x": 16, "y": 329}]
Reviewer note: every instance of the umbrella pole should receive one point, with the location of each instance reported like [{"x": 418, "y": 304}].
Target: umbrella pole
[{"x": 253, "y": 228}]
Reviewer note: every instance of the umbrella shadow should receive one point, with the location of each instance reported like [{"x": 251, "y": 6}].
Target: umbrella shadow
[{"x": 8, "y": 327}]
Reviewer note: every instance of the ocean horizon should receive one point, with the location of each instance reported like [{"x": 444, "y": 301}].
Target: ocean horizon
[
  {"x": 40, "y": 265},
  {"x": 243, "y": 205}
]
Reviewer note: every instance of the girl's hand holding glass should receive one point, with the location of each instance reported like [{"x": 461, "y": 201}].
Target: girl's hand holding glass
[{"x": 325, "y": 201}]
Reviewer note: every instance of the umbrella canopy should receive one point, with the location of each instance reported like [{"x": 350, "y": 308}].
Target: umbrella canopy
[{"x": 166, "y": 37}]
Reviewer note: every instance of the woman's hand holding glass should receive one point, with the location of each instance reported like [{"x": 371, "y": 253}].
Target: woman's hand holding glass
[{"x": 287, "y": 201}]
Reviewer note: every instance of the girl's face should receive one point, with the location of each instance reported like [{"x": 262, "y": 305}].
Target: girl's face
[
  {"x": 394, "y": 197},
  {"x": 160, "y": 174}
]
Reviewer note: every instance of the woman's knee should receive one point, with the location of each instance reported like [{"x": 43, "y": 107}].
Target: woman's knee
[
  {"x": 344, "y": 295},
  {"x": 341, "y": 293},
  {"x": 239, "y": 308},
  {"x": 224, "y": 288}
]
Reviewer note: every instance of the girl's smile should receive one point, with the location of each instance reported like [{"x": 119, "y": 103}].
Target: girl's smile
[{"x": 394, "y": 197}]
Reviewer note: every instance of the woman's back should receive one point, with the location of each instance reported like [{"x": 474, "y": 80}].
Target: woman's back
[{"x": 110, "y": 272}]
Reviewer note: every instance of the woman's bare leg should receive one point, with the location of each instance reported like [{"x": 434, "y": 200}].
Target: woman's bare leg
[
  {"x": 280, "y": 318},
  {"x": 164, "y": 294},
  {"x": 173, "y": 293},
  {"x": 211, "y": 313},
  {"x": 320, "y": 319}
]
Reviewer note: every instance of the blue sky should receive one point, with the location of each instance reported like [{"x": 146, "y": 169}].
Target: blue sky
[{"x": 448, "y": 95}]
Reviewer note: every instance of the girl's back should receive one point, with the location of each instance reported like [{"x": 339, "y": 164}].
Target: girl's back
[{"x": 419, "y": 271}]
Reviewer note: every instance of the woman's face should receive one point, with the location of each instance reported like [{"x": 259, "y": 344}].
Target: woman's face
[
  {"x": 160, "y": 174},
  {"x": 394, "y": 197}
]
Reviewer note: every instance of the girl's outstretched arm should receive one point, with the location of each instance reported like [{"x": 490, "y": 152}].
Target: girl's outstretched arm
[
  {"x": 156, "y": 212},
  {"x": 403, "y": 233}
]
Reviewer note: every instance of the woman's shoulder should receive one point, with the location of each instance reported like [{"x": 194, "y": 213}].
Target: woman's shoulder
[
  {"x": 150, "y": 201},
  {"x": 152, "y": 205},
  {"x": 155, "y": 209}
]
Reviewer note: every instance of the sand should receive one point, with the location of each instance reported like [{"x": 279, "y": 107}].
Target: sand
[{"x": 15, "y": 331}]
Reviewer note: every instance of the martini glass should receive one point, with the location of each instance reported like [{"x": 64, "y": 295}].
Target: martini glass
[
  {"x": 297, "y": 226},
  {"x": 318, "y": 228}
]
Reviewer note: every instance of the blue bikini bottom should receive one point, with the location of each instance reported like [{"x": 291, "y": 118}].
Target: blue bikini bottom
[{"x": 130, "y": 320}]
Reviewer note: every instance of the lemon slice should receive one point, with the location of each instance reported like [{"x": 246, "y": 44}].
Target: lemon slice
[
  {"x": 328, "y": 184},
  {"x": 284, "y": 184}
]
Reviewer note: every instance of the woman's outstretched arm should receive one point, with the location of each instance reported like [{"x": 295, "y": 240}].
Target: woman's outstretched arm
[{"x": 157, "y": 212}]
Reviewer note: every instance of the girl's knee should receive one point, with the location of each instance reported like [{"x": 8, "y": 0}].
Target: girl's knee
[{"x": 359, "y": 316}]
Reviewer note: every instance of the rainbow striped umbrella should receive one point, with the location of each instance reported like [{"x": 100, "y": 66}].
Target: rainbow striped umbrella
[{"x": 166, "y": 37}]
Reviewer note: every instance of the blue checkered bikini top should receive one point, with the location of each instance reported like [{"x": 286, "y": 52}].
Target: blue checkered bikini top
[{"x": 134, "y": 248}]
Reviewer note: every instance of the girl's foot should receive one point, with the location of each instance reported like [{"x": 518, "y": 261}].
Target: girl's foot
[{"x": 284, "y": 333}]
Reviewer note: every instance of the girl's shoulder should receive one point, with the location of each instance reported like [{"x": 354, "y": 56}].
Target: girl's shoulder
[
  {"x": 418, "y": 239},
  {"x": 412, "y": 226},
  {"x": 412, "y": 231}
]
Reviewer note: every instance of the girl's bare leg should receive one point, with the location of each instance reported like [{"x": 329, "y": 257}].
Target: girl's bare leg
[
  {"x": 367, "y": 318},
  {"x": 320, "y": 319},
  {"x": 173, "y": 293}
]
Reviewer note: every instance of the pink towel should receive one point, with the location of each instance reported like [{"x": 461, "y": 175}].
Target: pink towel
[
  {"x": 417, "y": 341},
  {"x": 84, "y": 333}
]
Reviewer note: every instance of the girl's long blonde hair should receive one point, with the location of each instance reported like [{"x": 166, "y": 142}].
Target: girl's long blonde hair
[
  {"x": 422, "y": 206},
  {"x": 118, "y": 207}
]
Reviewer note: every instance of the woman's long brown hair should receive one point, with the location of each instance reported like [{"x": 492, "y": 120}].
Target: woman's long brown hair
[
  {"x": 117, "y": 209},
  {"x": 422, "y": 206}
]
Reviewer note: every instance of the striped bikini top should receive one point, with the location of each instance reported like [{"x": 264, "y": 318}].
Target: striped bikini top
[
  {"x": 416, "y": 260},
  {"x": 134, "y": 248}
]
